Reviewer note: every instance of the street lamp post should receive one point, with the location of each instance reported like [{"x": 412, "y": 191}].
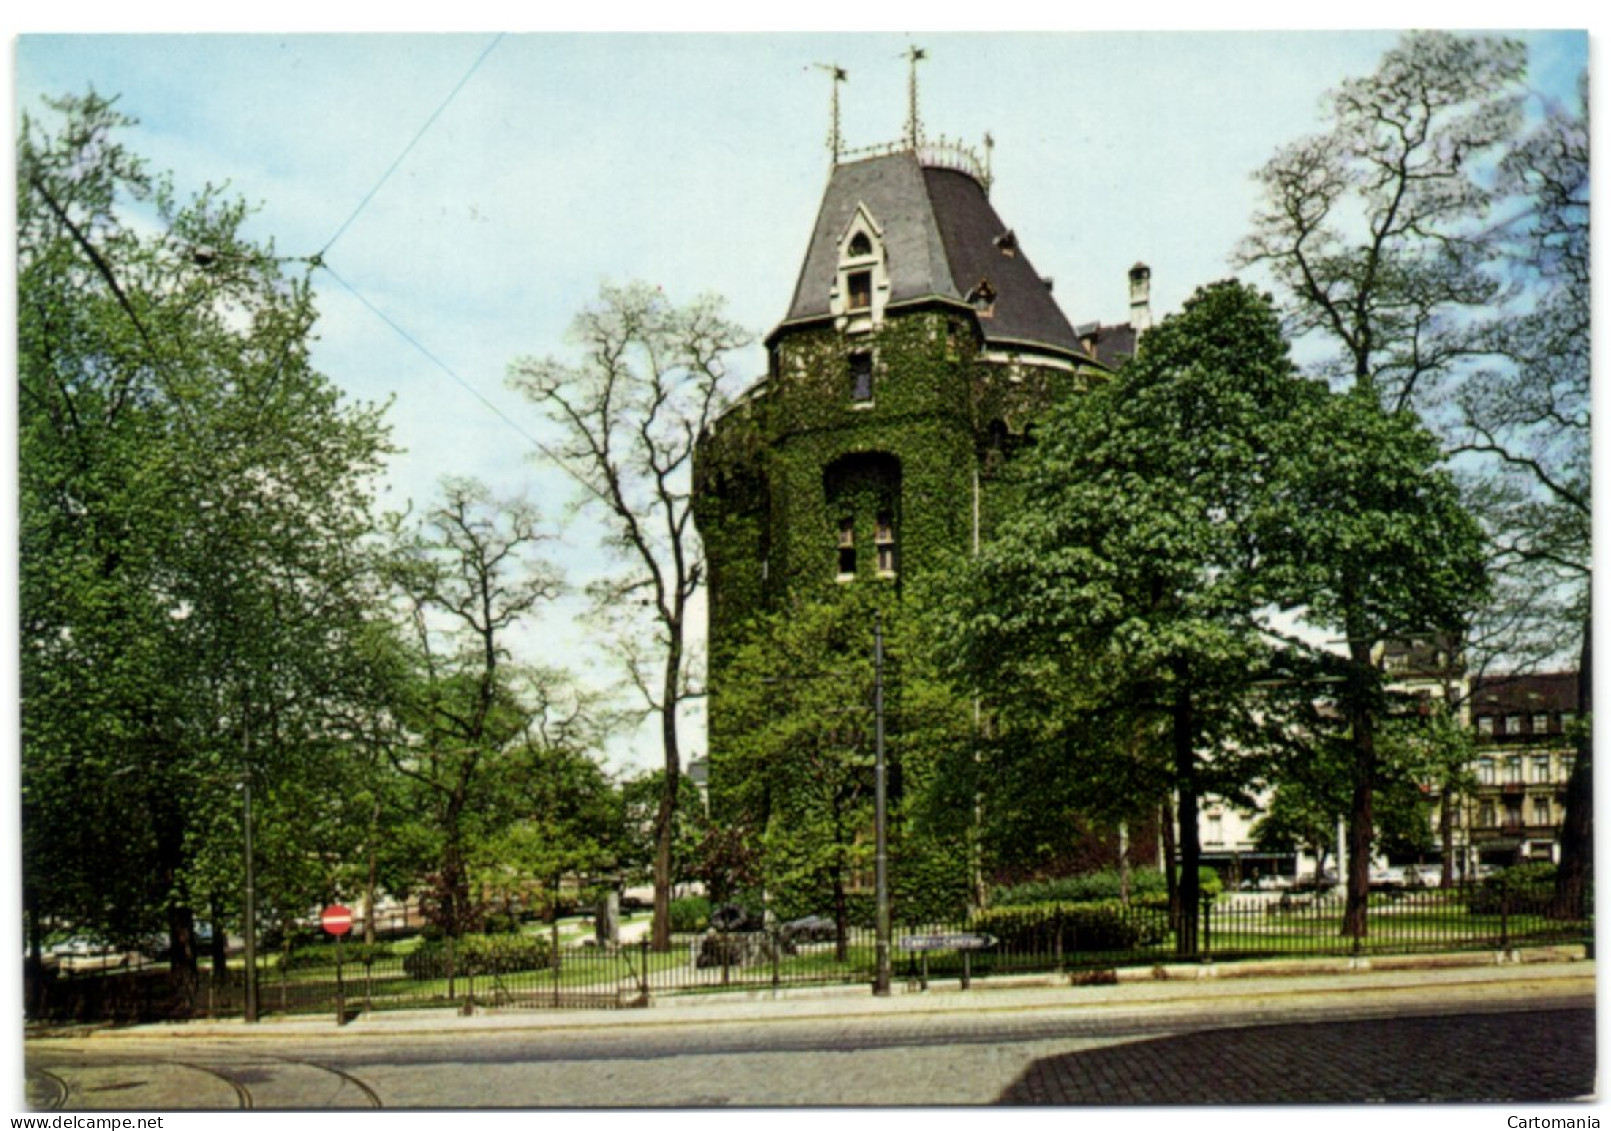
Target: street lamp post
[
  {"x": 250, "y": 929},
  {"x": 881, "y": 846}
]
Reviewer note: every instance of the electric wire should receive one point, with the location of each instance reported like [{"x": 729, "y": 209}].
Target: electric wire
[
  {"x": 541, "y": 447},
  {"x": 429, "y": 122}
]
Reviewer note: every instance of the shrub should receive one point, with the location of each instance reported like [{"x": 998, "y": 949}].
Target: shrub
[
  {"x": 1147, "y": 886},
  {"x": 690, "y": 914},
  {"x": 1528, "y": 887},
  {"x": 477, "y": 955},
  {"x": 1044, "y": 927},
  {"x": 500, "y": 923},
  {"x": 324, "y": 954}
]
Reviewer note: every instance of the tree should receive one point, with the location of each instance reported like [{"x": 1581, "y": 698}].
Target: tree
[
  {"x": 194, "y": 506},
  {"x": 1122, "y": 600},
  {"x": 651, "y": 380},
  {"x": 1371, "y": 542},
  {"x": 1379, "y": 232},
  {"x": 467, "y": 577},
  {"x": 1373, "y": 229},
  {"x": 640, "y": 805},
  {"x": 1525, "y": 414}
]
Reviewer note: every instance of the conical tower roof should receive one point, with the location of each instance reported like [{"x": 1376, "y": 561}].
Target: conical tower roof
[{"x": 942, "y": 241}]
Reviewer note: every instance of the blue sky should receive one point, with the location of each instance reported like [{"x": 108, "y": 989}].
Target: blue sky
[{"x": 691, "y": 161}]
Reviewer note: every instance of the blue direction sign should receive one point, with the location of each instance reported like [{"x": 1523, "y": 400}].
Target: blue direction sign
[{"x": 947, "y": 942}]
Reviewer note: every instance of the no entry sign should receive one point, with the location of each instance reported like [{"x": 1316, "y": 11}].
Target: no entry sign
[{"x": 337, "y": 920}]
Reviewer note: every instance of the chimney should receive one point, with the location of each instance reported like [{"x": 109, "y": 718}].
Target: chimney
[{"x": 1140, "y": 298}]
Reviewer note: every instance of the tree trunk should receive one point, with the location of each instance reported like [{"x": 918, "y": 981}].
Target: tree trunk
[
  {"x": 1446, "y": 836},
  {"x": 1166, "y": 825},
  {"x": 665, "y": 814},
  {"x": 1124, "y": 863},
  {"x": 1577, "y": 831},
  {"x": 219, "y": 944},
  {"x": 1361, "y": 815},
  {"x": 1190, "y": 850}
]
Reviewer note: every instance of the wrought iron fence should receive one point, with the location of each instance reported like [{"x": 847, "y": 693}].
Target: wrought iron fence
[{"x": 1081, "y": 940}]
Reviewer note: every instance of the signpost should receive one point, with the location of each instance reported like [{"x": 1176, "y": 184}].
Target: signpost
[
  {"x": 966, "y": 943},
  {"x": 337, "y": 920}
]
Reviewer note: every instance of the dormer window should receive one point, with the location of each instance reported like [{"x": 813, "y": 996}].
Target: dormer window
[
  {"x": 861, "y": 283},
  {"x": 859, "y": 288},
  {"x": 1007, "y": 242},
  {"x": 983, "y": 298}
]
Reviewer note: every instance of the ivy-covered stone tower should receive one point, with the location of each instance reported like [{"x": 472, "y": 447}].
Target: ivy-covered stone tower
[{"x": 919, "y": 349}]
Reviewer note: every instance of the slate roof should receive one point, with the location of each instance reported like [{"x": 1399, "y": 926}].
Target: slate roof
[
  {"x": 1523, "y": 694},
  {"x": 940, "y": 240}
]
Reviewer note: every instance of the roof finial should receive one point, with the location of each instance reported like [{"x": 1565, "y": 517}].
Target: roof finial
[
  {"x": 914, "y": 127},
  {"x": 989, "y": 148},
  {"x": 839, "y": 75}
]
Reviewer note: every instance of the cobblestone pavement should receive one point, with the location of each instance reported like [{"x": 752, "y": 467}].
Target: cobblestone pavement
[
  {"x": 1540, "y": 1056},
  {"x": 1428, "y": 1036}
]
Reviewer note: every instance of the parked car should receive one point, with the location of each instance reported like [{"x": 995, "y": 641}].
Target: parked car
[{"x": 812, "y": 928}]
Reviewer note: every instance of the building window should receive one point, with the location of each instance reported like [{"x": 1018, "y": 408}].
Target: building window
[
  {"x": 859, "y": 285},
  {"x": 1513, "y": 815},
  {"x": 1513, "y": 724},
  {"x": 1567, "y": 762},
  {"x": 1485, "y": 815},
  {"x": 1541, "y": 769},
  {"x": 847, "y": 548},
  {"x": 884, "y": 541},
  {"x": 861, "y": 376},
  {"x": 1541, "y": 815},
  {"x": 1485, "y": 725},
  {"x": 1540, "y": 724},
  {"x": 1216, "y": 829},
  {"x": 1485, "y": 771},
  {"x": 1567, "y": 719},
  {"x": 1513, "y": 769}
]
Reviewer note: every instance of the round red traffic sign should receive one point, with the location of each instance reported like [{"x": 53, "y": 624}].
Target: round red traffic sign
[{"x": 337, "y": 920}]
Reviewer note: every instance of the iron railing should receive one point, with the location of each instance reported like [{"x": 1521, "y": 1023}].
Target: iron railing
[{"x": 1079, "y": 940}]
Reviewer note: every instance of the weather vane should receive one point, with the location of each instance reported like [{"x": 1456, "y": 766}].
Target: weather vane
[{"x": 839, "y": 75}]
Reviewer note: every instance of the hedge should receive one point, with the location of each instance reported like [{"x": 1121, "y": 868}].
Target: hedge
[
  {"x": 1047, "y": 927},
  {"x": 324, "y": 954},
  {"x": 477, "y": 955},
  {"x": 1147, "y": 886}
]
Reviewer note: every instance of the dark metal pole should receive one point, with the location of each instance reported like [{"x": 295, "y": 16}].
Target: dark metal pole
[
  {"x": 881, "y": 858},
  {"x": 250, "y": 929}
]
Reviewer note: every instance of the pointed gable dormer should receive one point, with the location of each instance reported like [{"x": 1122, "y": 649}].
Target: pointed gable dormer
[{"x": 861, "y": 283}]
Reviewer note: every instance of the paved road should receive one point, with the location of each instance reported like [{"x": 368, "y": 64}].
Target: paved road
[{"x": 1529, "y": 1038}]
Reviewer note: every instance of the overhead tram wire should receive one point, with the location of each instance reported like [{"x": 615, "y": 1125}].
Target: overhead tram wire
[
  {"x": 318, "y": 261},
  {"x": 541, "y": 447},
  {"x": 423, "y": 130}
]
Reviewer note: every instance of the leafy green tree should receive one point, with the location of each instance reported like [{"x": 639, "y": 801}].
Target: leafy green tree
[
  {"x": 640, "y": 804},
  {"x": 1122, "y": 601},
  {"x": 467, "y": 576},
  {"x": 652, "y": 379},
  {"x": 194, "y": 503},
  {"x": 1387, "y": 235},
  {"x": 1371, "y": 541}
]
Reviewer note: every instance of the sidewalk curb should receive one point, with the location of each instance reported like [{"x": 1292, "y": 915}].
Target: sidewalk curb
[{"x": 1176, "y": 985}]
